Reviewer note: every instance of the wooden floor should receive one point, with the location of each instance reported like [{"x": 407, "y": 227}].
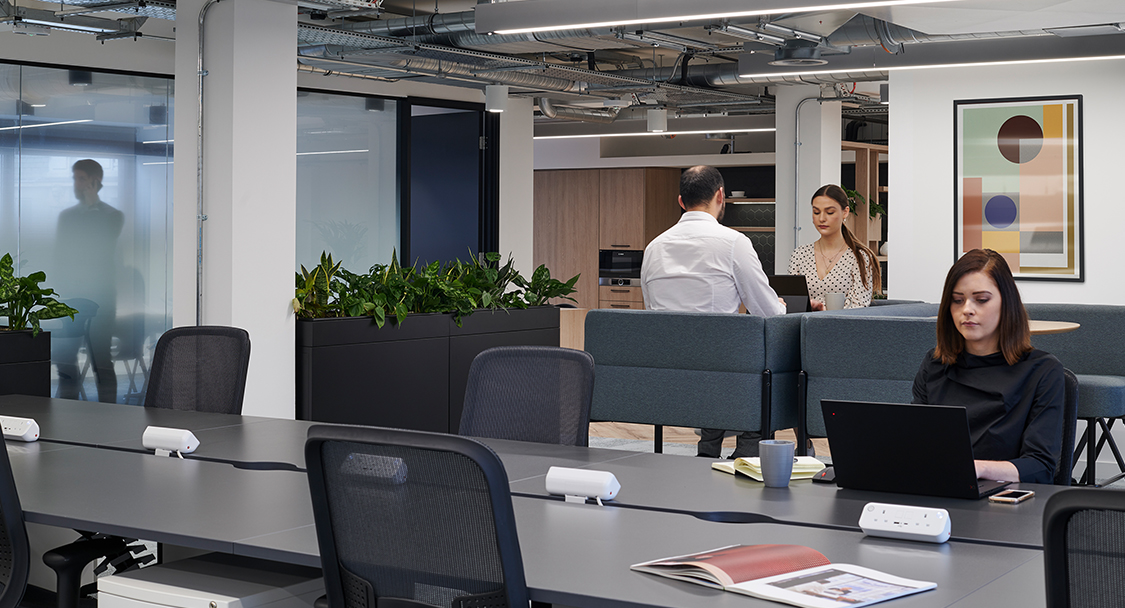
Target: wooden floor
[{"x": 676, "y": 434}]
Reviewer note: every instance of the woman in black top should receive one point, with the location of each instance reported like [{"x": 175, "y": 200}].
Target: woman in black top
[{"x": 984, "y": 361}]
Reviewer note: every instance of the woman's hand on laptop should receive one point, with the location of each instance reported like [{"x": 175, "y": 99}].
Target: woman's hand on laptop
[
  {"x": 816, "y": 304},
  {"x": 997, "y": 470}
]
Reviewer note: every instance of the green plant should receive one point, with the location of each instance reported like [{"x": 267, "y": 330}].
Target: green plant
[
  {"x": 24, "y": 302},
  {"x": 873, "y": 209},
  {"x": 329, "y": 290},
  {"x": 314, "y": 289},
  {"x": 542, "y": 287}
]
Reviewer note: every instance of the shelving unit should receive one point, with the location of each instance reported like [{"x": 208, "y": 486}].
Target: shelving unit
[{"x": 867, "y": 229}]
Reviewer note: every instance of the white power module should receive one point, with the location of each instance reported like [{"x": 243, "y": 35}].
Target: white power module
[
  {"x": 905, "y": 522},
  {"x": 19, "y": 429}
]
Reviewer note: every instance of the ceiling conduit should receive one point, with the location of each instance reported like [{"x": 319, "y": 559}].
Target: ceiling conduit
[
  {"x": 598, "y": 116},
  {"x": 425, "y": 65},
  {"x": 459, "y": 29}
]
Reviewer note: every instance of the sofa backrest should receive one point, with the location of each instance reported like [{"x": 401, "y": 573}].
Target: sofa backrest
[
  {"x": 1095, "y": 348},
  {"x": 677, "y": 368},
  {"x": 861, "y": 358}
]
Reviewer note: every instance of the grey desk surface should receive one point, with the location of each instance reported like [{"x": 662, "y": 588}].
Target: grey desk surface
[
  {"x": 686, "y": 483},
  {"x": 652, "y": 480},
  {"x": 573, "y": 554},
  {"x": 242, "y": 438},
  {"x": 579, "y": 555}
]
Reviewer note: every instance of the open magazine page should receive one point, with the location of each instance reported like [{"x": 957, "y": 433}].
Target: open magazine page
[
  {"x": 726, "y": 566},
  {"x": 832, "y": 586}
]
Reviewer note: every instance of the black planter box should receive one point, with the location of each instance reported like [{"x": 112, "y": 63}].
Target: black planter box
[
  {"x": 25, "y": 363},
  {"x": 411, "y": 376}
]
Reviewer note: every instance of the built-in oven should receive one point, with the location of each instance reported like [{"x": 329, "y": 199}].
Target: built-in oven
[{"x": 619, "y": 267}]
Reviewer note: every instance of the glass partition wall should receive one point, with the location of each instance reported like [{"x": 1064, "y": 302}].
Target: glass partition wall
[
  {"x": 347, "y": 179},
  {"x": 85, "y": 195}
]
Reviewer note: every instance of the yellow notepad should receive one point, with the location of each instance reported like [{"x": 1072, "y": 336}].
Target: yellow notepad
[{"x": 804, "y": 467}]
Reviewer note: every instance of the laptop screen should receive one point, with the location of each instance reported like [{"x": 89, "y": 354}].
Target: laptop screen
[{"x": 903, "y": 448}]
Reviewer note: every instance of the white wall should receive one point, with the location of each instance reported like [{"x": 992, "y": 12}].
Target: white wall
[
  {"x": 517, "y": 183},
  {"x": 921, "y": 172},
  {"x": 61, "y": 48}
]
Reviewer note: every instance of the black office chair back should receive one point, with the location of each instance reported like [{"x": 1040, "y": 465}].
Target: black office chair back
[
  {"x": 1084, "y": 548},
  {"x": 530, "y": 393},
  {"x": 1069, "y": 423},
  {"x": 15, "y": 555},
  {"x": 200, "y": 369},
  {"x": 407, "y": 519}
]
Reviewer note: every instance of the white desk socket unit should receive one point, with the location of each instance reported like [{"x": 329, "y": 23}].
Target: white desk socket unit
[{"x": 905, "y": 522}]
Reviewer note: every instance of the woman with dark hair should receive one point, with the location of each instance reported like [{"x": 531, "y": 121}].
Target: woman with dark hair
[
  {"x": 836, "y": 262},
  {"x": 984, "y": 361}
]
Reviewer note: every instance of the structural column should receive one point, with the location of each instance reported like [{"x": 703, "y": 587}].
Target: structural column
[
  {"x": 249, "y": 187},
  {"x": 798, "y": 177}
]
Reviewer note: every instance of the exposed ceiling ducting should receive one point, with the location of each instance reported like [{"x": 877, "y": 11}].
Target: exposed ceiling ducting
[{"x": 690, "y": 67}]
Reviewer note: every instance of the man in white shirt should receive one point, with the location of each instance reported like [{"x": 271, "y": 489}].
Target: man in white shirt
[{"x": 699, "y": 265}]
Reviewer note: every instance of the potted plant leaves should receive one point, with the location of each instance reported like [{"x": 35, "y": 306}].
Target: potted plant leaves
[
  {"x": 25, "y": 350},
  {"x": 393, "y": 346}
]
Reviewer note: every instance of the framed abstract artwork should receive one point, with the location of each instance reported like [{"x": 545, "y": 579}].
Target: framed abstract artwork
[{"x": 1018, "y": 183}]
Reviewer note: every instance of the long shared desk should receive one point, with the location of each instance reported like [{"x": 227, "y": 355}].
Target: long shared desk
[{"x": 244, "y": 492}]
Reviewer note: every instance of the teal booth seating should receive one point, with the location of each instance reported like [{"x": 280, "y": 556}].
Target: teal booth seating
[
  {"x": 858, "y": 358},
  {"x": 689, "y": 369},
  {"x": 1094, "y": 353}
]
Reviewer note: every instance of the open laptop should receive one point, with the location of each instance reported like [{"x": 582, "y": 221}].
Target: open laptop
[
  {"x": 908, "y": 449},
  {"x": 794, "y": 290}
]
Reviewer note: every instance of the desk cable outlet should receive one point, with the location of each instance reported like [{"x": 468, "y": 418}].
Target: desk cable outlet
[
  {"x": 19, "y": 429},
  {"x": 166, "y": 440},
  {"x": 577, "y": 485},
  {"x": 905, "y": 522}
]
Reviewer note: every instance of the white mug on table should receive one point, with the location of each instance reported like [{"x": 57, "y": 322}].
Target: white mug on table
[{"x": 834, "y": 300}]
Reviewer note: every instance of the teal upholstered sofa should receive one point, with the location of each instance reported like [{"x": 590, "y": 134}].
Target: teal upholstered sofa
[
  {"x": 683, "y": 369},
  {"x": 1094, "y": 353}
]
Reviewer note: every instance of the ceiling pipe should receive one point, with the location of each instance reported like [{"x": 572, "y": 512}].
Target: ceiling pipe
[
  {"x": 726, "y": 75},
  {"x": 604, "y": 117},
  {"x": 868, "y": 31},
  {"x": 433, "y": 67}
]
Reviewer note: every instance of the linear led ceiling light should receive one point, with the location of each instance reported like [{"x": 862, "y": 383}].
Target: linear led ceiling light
[
  {"x": 331, "y": 152},
  {"x": 531, "y": 16},
  {"x": 930, "y": 67},
  {"x": 46, "y": 124},
  {"x": 587, "y": 135}
]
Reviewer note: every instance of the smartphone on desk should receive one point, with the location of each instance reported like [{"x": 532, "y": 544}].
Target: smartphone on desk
[{"x": 1011, "y": 496}]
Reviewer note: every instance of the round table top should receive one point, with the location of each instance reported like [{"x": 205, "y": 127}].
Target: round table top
[{"x": 1039, "y": 328}]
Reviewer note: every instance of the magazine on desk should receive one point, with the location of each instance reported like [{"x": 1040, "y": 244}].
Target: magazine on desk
[{"x": 790, "y": 574}]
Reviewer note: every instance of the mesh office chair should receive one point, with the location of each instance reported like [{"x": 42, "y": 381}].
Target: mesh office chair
[
  {"x": 193, "y": 368},
  {"x": 530, "y": 393},
  {"x": 407, "y": 519},
  {"x": 15, "y": 555},
  {"x": 1084, "y": 548},
  {"x": 200, "y": 369},
  {"x": 1064, "y": 467}
]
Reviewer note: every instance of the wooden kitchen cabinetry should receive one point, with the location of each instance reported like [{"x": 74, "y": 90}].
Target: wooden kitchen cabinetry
[{"x": 580, "y": 211}]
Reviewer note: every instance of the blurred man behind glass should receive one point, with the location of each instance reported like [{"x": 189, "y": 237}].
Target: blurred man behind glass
[{"x": 86, "y": 278}]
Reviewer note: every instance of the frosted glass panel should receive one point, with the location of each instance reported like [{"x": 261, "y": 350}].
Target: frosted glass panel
[
  {"x": 85, "y": 195},
  {"x": 347, "y": 179}
]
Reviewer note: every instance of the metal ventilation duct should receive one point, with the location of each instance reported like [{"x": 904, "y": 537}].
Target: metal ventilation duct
[{"x": 598, "y": 116}]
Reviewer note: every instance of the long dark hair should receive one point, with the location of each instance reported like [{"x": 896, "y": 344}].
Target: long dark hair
[
  {"x": 875, "y": 283},
  {"x": 1015, "y": 333}
]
